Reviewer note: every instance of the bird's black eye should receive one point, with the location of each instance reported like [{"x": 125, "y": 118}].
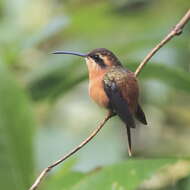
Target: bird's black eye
[{"x": 96, "y": 58}]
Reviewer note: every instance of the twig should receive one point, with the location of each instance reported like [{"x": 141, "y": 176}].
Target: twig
[
  {"x": 46, "y": 170},
  {"x": 177, "y": 30}
]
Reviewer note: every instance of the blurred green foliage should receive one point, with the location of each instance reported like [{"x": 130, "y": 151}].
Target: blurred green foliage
[
  {"x": 16, "y": 132},
  {"x": 48, "y": 91},
  {"x": 125, "y": 175}
]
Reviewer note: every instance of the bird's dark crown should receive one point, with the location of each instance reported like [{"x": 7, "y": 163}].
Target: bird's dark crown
[{"x": 100, "y": 53}]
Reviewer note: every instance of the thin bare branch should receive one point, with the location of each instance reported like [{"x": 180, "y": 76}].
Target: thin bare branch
[
  {"x": 46, "y": 170},
  {"x": 177, "y": 30}
]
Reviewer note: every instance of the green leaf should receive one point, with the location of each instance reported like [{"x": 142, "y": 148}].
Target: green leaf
[
  {"x": 182, "y": 184},
  {"x": 51, "y": 82},
  {"x": 64, "y": 178},
  {"x": 126, "y": 176},
  {"x": 64, "y": 182},
  {"x": 16, "y": 132}
]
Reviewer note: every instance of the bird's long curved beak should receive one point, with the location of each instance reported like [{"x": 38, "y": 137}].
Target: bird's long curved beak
[{"x": 70, "y": 53}]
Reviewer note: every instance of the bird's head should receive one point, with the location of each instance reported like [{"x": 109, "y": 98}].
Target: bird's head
[{"x": 100, "y": 58}]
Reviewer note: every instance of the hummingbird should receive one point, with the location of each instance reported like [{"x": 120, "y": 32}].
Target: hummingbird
[{"x": 113, "y": 87}]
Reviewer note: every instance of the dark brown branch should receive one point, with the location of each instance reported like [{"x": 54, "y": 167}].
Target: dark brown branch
[
  {"x": 46, "y": 170},
  {"x": 177, "y": 30}
]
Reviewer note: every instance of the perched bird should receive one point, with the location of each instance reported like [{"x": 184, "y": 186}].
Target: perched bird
[{"x": 113, "y": 86}]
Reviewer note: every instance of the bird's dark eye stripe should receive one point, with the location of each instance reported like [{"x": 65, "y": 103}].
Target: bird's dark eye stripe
[{"x": 99, "y": 60}]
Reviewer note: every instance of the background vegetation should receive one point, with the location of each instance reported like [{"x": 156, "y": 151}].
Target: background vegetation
[{"x": 44, "y": 105}]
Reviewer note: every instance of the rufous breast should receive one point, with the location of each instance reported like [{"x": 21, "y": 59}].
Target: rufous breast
[
  {"x": 96, "y": 91},
  {"x": 96, "y": 86}
]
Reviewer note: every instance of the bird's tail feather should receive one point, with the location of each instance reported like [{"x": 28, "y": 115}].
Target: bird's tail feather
[
  {"x": 140, "y": 115},
  {"x": 129, "y": 140}
]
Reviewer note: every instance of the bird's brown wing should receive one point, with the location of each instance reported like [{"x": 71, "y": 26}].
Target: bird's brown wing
[
  {"x": 130, "y": 93},
  {"x": 118, "y": 103}
]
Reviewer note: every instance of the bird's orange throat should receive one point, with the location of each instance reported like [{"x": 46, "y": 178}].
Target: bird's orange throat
[
  {"x": 95, "y": 70},
  {"x": 96, "y": 88}
]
